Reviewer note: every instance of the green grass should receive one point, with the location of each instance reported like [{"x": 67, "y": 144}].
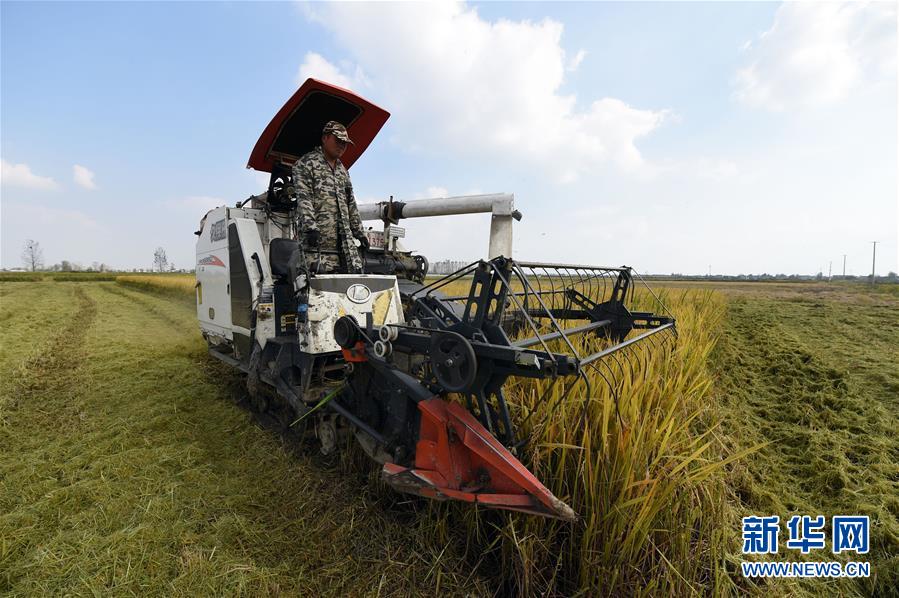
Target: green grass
[{"x": 127, "y": 470}]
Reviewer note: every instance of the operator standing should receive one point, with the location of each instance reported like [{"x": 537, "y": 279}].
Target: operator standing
[{"x": 327, "y": 217}]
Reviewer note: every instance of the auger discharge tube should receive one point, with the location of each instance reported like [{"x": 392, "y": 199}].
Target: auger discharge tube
[{"x": 500, "y": 205}]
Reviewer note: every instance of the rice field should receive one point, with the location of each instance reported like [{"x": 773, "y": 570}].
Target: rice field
[
  {"x": 57, "y": 276},
  {"x": 126, "y": 468},
  {"x": 660, "y": 463},
  {"x": 175, "y": 285}
]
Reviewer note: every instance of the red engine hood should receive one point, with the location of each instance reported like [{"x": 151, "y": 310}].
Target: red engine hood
[{"x": 297, "y": 127}]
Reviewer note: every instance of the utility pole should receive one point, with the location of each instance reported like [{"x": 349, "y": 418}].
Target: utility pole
[
  {"x": 829, "y": 270},
  {"x": 844, "y": 265},
  {"x": 873, "y": 261}
]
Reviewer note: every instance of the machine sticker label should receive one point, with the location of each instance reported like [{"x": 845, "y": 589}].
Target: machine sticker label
[
  {"x": 358, "y": 293},
  {"x": 381, "y": 305},
  {"x": 288, "y": 322},
  {"x": 375, "y": 238},
  {"x": 265, "y": 310},
  {"x": 211, "y": 260},
  {"x": 217, "y": 232}
]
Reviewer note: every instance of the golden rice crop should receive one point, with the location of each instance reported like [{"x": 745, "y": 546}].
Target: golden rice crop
[
  {"x": 178, "y": 285},
  {"x": 631, "y": 450}
]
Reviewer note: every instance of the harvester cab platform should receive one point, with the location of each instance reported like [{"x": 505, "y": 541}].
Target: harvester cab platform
[{"x": 414, "y": 367}]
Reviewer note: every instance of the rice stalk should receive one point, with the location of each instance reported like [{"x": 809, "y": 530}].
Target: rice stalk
[{"x": 630, "y": 448}]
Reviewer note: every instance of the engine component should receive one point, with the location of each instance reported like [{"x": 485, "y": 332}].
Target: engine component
[
  {"x": 383, "y": 349},
  {"x": 453, "y": 361},
  {"x": 388, "y": 333}
]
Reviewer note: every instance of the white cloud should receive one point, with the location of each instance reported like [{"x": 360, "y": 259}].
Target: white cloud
[
  {"x": 819, "y": 53},
  {"x": 43, "y": 216},
  {"x": 432, "y": 192},
  {"x": 576, "y": 61},
  {"x": 716, "y": 168},
  {"x": 484, "y": 89},
  {"x": 702, "y": 167},
  {"x": 84, "y": 177},
  {"x": 20, "y": 175},
  {"x": 317, "y": 66}
]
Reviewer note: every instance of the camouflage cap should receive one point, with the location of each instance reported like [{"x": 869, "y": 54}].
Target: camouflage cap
[{"x": 338, "y": 129}]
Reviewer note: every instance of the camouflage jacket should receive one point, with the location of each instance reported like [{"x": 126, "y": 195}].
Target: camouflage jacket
[{"x": 325, "y": 202}]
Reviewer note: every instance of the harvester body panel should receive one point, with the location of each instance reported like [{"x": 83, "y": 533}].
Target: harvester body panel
[
  {"x": 236, "y": 290},
  {"x": 213, "y": 276},
  {"x": 332, "y": 296}
]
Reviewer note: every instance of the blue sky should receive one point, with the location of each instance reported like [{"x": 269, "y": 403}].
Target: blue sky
[{"x": 749, "y": 137}]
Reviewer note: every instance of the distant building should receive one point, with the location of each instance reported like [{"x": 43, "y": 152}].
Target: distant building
[{"x": 446, "y": 266}]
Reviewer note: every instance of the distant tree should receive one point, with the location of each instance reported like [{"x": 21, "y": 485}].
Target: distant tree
[
  {"x": 66, "y": 266},
  {"x": 160, "y": 261},
  {"x": 32, "y": 255}
]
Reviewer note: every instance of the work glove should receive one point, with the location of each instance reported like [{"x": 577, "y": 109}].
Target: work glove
[
  {"x": 313, "y": 237},
  {"x": 364, "y": 244}
]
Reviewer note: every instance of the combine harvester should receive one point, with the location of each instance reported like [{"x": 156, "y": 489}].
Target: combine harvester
[{"x": 379, "y": 354}]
